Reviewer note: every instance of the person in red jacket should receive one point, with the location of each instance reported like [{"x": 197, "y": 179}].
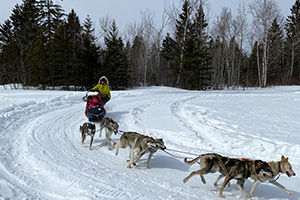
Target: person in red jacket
[{"x": 103, "y": 88}]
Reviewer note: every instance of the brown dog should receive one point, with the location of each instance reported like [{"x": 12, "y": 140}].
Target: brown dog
[{"x": 230, "y": 168}]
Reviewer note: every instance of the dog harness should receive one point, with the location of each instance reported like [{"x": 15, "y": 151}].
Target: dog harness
[
  {"x": 222, "y": 163},
  {"x": 111, "y": 129}
]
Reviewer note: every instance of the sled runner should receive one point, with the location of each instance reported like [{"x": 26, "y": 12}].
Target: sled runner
[{"x": 94, "y": 109}]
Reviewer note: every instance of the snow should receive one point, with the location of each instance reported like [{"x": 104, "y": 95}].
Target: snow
[{"x": 42, "y": 156}]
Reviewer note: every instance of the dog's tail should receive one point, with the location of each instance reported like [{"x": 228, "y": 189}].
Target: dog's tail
[{"x": 191, "y": 162}]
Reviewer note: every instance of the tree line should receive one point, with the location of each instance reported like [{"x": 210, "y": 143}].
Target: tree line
[{"x": 42, "y": 46}]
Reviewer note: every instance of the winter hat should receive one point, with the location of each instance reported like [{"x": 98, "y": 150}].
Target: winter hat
[{"x": 95, "y": 100}]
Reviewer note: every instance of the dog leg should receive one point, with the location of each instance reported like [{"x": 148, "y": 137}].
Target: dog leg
[
  {"x": 108, "y": 140},
  {"x": 200, "y": 172},
  {"x": 92, "y": 138},
  {"x": 148, "y": 161},
  {"x": 227, "y": 179},
  {"x": 138, "y": 157},
  {"x": 255, "y": 184},
  {"x": 131, "y": 156},
  {"x": 240, "y": 184},
  {"x": 219, "y": 177},
  {"x": 282, "y": 187},
  {"x": 117, "y": 146},
  {"x": 82, "y": 138},
  {"x": 101, "y": 128}
]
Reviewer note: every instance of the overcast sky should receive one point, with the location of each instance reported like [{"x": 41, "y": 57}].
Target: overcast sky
[{"x": 128, "y": 11}]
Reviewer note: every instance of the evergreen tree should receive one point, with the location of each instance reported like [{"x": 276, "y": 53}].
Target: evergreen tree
[
  {"x": 197, "y": 60},
  {"x": 252, "y": 72},
  {"x": 293, "y": 44},
  {"x": 90, "y": 56},
  {"x": 116, "y": 64},
  {"x": 188, "y": 54},
  {"x": 25, "y": 28},
  {"x": 174, "y": 49},
  {"x": 59, "y": 56},
  {"x": 50, "y": 16},
  {"x": 8, "y": 55},
  {"x": 74, "y": 35},
  {"x": 276, "y": 48}
]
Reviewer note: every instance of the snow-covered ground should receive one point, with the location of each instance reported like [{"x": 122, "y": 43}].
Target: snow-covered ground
[{"x": 42, "y": 156}]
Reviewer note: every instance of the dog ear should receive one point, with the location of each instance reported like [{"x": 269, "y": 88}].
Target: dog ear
[
  {"x": 259, "y": 164},
  {"x": 284, "y": 159}
]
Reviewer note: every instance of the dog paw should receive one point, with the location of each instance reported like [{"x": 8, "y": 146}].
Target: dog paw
[{"x": 289, "y": 193}]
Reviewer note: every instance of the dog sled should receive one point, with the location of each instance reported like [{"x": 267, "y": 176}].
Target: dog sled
[{"x": 94, "y": 109}]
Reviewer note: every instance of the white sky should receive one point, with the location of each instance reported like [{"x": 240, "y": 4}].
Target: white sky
[{"x": 128, "y": 11}]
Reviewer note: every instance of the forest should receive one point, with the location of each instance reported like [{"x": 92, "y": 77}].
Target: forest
[{"x": 44, "y": 47}]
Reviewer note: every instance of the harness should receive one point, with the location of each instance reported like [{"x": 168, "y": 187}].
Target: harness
[
  {"x": 221, "y": 161},
  {"x": 279, "y": 170},
  {"x": 111, "y": 129},
  {"x": 247, "y": 171}
]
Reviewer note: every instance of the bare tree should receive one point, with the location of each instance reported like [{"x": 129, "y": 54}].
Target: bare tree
[
  {"x": 240, "y": 26},
  {"x": 263, "y": 12}
]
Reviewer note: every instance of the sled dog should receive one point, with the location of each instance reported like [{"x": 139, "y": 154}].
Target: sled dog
[
  {"x": 138, "y": 143},
  {"x": 87, "y": 129},
  {"x": 230, "y": 168},
  {"x": 282, "y": 166},
  {"x": 110, "y": 127},
  {"x": 160, "y": 145}
]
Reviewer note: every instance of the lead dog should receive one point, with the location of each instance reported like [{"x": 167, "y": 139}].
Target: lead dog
[
  {"x": 230, "y": 168},
  {"x": 110, "y": 127},
  {"x": 87, "y": 129},
  {"x": 282, "y": 166},
  {"x": 137, "y": 143}
]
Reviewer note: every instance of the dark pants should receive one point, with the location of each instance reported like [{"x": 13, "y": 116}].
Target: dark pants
[{"x": 104, "y": 100}]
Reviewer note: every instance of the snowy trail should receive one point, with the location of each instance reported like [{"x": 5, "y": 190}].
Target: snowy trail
[{"x": 42, "y": 156}]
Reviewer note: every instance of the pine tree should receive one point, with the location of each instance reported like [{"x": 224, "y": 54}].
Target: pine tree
[
  {"x": 50, "y": 16},
  {"x": 188, "y": 54},
  {"x": 252, "y": 72},
  {"x": 25, "y": 29},
  {"x": 90, "y": 56},
  {"x": 116, "y": 63},
  {"x": 8, "y": 54},
  {"x": 197, "y": 59},
  {"x": 174, "y": 49},
  {"x": 276, "y": 48},
  {"x": 74, "y": 35},
  {"x": 293, "y": 44}
]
